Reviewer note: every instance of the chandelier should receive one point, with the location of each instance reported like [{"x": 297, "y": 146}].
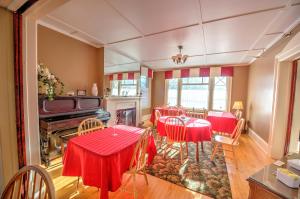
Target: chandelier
[{"x": 179, "y": 58}]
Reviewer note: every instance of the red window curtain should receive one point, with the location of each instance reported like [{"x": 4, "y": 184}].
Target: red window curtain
[{"x": 18, "y": 70}]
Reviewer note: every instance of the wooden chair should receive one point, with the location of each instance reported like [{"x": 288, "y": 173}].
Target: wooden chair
[
  {"x": 175, "y": 130},
  {"x": 30, "y": 182},
  {"x": 89, "y": 125},
  {"x": 226, "y": 142},
  {"x": 157, "y": 116},
  {"x": 139, "y": 160},
  {"x": 200, "y": 114},
  {"x": 86, "y": 126}
]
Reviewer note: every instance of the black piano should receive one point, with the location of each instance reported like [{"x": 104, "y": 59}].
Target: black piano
[{"x": 61, "y": 117}]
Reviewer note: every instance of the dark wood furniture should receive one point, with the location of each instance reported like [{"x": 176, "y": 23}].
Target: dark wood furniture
[
  {"x": 264, "y": 185},
  {"x": 61, "y": 117}
]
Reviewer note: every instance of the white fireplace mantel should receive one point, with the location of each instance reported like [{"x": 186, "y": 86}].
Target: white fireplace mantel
[{"x": 112, "y": 104}]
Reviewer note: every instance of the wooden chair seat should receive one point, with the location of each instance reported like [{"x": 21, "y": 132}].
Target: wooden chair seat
[
  {"x": 220, "y": 141},
  {"x": 225, "y": 140}
]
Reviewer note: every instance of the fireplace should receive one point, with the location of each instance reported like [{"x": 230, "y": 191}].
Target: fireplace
[
  {"x": 126, "y": 108},
  {"x": 126, "y": 116}
]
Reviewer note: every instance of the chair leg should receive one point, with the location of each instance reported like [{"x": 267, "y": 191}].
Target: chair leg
[
  {"x": 77, "y": 186},
  {"x": 134, "y": 186},
  {"x": 187, "y": 149},
  {"x": 214, "y": 152},
  {"x": 181, "y": 158},
  {"x": 145, "y": 176}
]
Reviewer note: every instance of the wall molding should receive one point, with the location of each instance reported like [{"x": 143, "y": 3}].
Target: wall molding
[{"x": 261, "y": 143}]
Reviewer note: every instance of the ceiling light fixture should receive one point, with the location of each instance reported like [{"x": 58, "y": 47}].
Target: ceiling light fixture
[{"x": 179, "y": 58}]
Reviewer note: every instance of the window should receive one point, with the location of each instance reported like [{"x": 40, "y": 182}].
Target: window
[
  {"x": 220, "y": 94},
  {"x": 211, "y": 93},
  {"x": 195, "y": 92},
  {"x": 115, "y": 88},
  {"x": 172, "y": 92},
  {"x": 146, "y": 92},
  {"x": 124, "y": 87}
]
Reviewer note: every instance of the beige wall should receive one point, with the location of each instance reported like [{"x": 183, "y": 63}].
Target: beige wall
[
  {"x": 8, "y": 135},
  {"x": 77, "y": 64},
  {"x": 158, "y": 89},
  {"x": 260, "y": 90},
  {"x": 238, "y": 92}
]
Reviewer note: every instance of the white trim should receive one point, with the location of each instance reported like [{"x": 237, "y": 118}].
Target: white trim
[
  {"x": 261, "y": 143},
  {"x": 146, "y": 117}
]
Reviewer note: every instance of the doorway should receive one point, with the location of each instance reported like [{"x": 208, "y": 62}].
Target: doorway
[{"x": 293, "y": 130}]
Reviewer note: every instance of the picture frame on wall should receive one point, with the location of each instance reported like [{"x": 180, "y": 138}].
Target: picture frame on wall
[{"x": 81, "y": 92}]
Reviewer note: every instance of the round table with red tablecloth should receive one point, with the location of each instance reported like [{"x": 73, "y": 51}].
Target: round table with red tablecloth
[{"x": 197, "y": 130}]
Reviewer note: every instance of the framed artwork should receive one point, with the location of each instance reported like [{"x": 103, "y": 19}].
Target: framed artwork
[{"x": 81, "y": 92}]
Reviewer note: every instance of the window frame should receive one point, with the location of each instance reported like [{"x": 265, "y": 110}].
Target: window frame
[
  {"x": 149, "y": 82},
  {"x": 210, "y": 92},
  {"x": 120, "y": 87}
]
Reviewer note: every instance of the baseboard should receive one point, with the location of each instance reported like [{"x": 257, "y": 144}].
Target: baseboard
[
  {"x": 146, "y": 117},
  {"x": 262, "y": 144}
]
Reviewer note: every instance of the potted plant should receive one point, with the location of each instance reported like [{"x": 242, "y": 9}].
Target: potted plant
[{"x": 48, "y": 83}]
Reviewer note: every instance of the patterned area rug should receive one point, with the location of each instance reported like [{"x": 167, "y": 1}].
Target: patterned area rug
[{"x": 206, "y": 177}]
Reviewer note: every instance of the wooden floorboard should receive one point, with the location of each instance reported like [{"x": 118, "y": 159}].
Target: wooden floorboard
[{"x": 250, "y": 159}]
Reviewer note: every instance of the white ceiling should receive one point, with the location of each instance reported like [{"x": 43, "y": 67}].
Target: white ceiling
[{"x": 212, "y": 32}]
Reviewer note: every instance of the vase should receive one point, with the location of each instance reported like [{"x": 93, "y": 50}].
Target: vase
[
  {"x": 50, "y": 92},
  {"x": 95, "y": 90}
]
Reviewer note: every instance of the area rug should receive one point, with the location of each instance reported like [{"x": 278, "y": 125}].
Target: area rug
[{"x": 206, "y": 177}]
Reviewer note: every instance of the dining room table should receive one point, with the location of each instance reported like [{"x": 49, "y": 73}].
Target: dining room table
[
  {"x": 223, "y": 122},
  {"x": 197, "y": 130},
  {"x": 102, "y": 157}
]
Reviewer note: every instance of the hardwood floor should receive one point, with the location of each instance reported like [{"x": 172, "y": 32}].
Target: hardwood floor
[{"x": 250, "y": 159}]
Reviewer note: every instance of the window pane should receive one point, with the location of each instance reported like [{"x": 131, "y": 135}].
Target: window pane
[
  {"x": 220, "y": 94},
  {"x": 145, "y": 92},
  {"x": 128, "y": 87},
  {"x": 114, "y": 88},
  {"x": 195, "y": 80},
  {"x": 172, "y": 92},
  {"x": 194, "y": 96}
]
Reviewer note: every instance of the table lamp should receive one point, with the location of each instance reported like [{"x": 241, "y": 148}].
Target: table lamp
[{"x": 238, "y": 106}]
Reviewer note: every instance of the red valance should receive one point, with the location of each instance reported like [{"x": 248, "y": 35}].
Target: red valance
[
  {"x": 200, "y": 72},
  {"x": 124, "y": 76}
]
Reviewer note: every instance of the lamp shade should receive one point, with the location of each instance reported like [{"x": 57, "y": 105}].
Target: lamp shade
[{"x": 238, "y": 105}]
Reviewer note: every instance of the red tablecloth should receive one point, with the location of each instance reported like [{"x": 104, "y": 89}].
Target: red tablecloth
[
  {"x": 164, "y": 111},
  {"x": 197, "y": 130},
  {"x": 222, "y": 121},
  {"x": 102, "y": 157}
]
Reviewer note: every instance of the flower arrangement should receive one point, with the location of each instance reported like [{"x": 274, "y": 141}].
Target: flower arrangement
[{"x": 48, "y": 83}]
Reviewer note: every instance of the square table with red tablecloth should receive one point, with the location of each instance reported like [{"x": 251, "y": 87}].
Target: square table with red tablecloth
[{"x": 100, "y": 158}]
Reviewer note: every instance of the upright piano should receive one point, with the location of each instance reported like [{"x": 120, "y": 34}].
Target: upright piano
[{"x": 62, "y": 116}]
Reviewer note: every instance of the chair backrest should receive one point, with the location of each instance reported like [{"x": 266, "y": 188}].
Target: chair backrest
[
  {"x": 139, "y": 157},
  {"x": 157, "y": 116},
  {"x": 238, "y": 131},
  {"x": 89, "y": 125},
  {"x": 175, "y": 129},
  {"x": 200, "y": 114},
  {"x": 30, "y": 182}
]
